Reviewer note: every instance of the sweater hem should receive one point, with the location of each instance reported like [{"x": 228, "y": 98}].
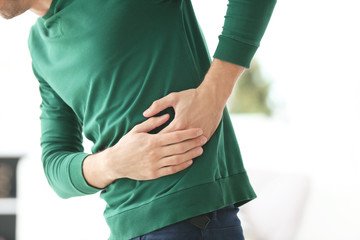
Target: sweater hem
[{"x": 195, "y": 201}]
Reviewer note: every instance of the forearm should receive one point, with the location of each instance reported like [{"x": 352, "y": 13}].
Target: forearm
[{"x": 220, "y": 80}]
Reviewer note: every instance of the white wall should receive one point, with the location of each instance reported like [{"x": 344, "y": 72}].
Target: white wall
[{"x": 19, "y": 97}]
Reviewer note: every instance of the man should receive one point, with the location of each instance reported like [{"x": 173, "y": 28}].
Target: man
[{"x": 169, "y": 171}]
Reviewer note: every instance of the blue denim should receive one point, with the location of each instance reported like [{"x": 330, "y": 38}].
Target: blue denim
[{"x": 224, "y": 225}]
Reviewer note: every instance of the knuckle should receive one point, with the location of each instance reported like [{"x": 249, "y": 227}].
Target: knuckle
[
  {"x": 153, "y": 141},
  {"x": 172, "y": 96},
  {"x": 135, "y": 128},
  {"x": 177, "y": 159},
  {"x": 177, "y": 137},
  {"x": 180, "y": 125},
  {"x": 180, "y": 148},
  {"x": 150, "y": 143},
  {"x": 151, "y": 154},
  {"x": 155, "y": 104}
]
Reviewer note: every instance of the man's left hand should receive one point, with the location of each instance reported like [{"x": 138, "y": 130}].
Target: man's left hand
[
  {"x": 203, "y": 106},
  {"x": 194, "y": 108}
]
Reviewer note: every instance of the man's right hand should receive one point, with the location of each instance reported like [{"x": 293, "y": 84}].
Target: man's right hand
[{"x": 142, "y": 156}]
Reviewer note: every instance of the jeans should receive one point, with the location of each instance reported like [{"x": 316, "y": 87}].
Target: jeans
[{"x": 224, "y": 225}]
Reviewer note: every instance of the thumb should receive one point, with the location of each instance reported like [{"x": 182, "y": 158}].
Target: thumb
[
  {"x": 150, "y": 124},
  {"x": 159, "y": 105}
]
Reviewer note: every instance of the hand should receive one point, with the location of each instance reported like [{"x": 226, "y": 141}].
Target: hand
[
  {"x": 194, "y": 108},
  {"x": 143, "y": 156},
  {"x": 201, "y": 107}
]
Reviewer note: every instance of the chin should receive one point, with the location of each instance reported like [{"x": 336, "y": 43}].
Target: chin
[{"x": 8, "y": 16}]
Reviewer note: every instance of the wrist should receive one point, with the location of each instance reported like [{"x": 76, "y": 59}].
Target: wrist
[
  {"x": 207, "y": 90},
  {"x": 96, "y": 169},
  {"x": 106, "y": 167},
  {"x": 111, "y": 163},
  {"x": 211, "y": 87},
  {"x": 220, "y": 80}
]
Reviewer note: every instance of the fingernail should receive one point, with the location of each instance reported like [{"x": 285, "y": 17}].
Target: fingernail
[
  {"x": 146, "y": 112},
  {"x": 203, "y": 140},
  {"x": 189, "y": 162},
  {"x": 200, "y": 151},
  {"x": 199, "y": 132}
]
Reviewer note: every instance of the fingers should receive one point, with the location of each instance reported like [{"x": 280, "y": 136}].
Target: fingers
[
  {"x": 182, "y": 147},
  {"x": 159, "y": 105},
  {"x": 181, "y": 158},
  {"x": 179, "y": 136},
  {"x": 174, "y": 169},
  {"x": 150, "y": 124},
  {"x": 176, "y": 163}
]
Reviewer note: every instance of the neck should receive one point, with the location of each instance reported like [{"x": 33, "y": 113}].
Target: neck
[{"x": 40, "y": 7}]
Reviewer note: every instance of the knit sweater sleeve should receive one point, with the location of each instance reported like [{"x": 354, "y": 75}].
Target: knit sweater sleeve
[
  {"x": 61, "y": 143},
  {"x": 244, "y": 26}
]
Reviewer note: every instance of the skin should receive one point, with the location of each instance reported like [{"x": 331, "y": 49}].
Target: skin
[
  {"x": 12, "y": 8},
  {"x": 142, "y": 156}
]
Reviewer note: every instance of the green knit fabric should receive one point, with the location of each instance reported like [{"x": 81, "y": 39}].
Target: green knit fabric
[{"x": 100, "y": 64}]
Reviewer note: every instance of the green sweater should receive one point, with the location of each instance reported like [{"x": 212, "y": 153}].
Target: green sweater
[{"x": 100, "y": 64}]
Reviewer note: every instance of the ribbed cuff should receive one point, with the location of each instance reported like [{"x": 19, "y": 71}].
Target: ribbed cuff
[
  {"x": 233, "y": 51},
  {"x": 76, "y": 175}
]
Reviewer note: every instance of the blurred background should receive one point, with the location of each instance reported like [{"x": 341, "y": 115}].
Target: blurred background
[{"x": 296, "y": 113}]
